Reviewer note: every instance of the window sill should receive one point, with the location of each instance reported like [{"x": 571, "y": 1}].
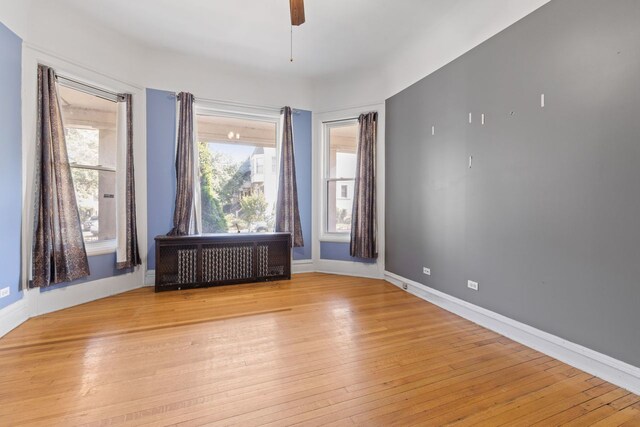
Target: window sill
[
  {"x": 337, "y": 238},
  {"x": 101, "y": 248}
]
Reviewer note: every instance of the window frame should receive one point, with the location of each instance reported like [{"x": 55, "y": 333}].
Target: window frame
[
  {"x": 344, "y": 191},
  {"x": 259, "y": 166},
  {"x": 100, "y": 247},
  {"x": 325, "y": 234},
  {"x": 212, "y": 108}
]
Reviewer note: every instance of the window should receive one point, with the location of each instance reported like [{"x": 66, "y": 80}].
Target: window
[
  {"x": 238, "y": 178},
  {"x": 259, "y": 167},
  {"x": 90, "y": 133},
  {"x": 341, "y": 144}
]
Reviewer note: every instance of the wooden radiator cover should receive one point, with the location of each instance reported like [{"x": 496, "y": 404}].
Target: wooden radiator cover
[{"x": 184, "y": 262}]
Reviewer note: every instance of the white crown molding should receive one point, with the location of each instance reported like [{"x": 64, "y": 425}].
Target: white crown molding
[{"x": 609, "y": 369}]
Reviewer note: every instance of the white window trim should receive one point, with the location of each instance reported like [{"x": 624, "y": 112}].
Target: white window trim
[
  {"x": 325, "y": 235},
  {"x": 101, "y": 247},
  {"x": 371, "y": 270},
  {"x": 31, "y": 57},
  {"x": 221, "y": 109}
]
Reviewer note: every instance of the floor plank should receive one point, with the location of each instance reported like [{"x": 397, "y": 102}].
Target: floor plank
[{"x": 317, "y": 350}]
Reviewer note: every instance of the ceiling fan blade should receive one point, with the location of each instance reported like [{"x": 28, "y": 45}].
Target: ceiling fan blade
[{"x": 297, "y": 12}]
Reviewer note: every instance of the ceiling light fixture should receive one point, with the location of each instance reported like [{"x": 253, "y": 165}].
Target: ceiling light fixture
[{"x": 230, "y": 135}]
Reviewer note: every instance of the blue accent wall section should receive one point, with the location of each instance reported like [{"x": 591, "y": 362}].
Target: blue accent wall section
[
  {"x": 338, "y": 251},
  {"x": 161, "y": 175},
  {"x": 101, "y": 267},
  {"x": 10, "y": 162},
  {"x": 303, "y": 147}
]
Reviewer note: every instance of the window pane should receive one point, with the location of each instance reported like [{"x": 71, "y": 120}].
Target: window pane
[
  {"x": 259, "y": 165},
  {"x": 338, "y": 206},
  {"x": 90, "y": 134},
  {"x": 343, "y": 146},
  {"x": 237, "y": 174},
  {"x": 95, "y": 194},
  {"x": 83, "y": 145},
  {"x": 90, "y": 127}
]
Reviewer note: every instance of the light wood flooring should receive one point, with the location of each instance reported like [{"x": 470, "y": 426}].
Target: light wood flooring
[{"x": 317, "y": 350}]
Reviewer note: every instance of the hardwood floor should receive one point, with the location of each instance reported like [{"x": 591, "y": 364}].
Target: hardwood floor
[{"x": 318, "y": 350}]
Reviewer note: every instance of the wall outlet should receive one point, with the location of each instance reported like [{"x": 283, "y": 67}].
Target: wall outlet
[
  {"x": 426, "y": 271},
  {"x": 5, "y": 292},
  {"x": 405, "y": 286},
  {"x": 472, "y": 285}
]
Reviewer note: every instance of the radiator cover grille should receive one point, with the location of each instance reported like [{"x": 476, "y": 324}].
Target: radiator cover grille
[{"x": 209, "y": 260}]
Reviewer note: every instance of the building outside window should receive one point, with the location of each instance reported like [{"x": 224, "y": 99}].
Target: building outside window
[{"x": 238, "y": 177}]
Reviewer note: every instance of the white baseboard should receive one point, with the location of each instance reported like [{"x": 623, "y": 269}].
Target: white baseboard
[
  {"x": 609, "y": 369},
  {"x": 69, "y": 296},
  {"x": 348, "y": 268},
  {"x": 150, "y": 278},
  {"x": 302, "y": 266},
  {"x": 13, "y": 316}
]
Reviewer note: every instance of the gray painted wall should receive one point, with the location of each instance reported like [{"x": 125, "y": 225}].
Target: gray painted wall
[{"x": 547, "y": 220}]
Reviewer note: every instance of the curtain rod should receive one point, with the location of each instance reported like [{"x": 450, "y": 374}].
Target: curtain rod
[
  {"x": 76, "y": 83},
  {"x": 239, "y": 104},
  {"x": 348, "y": 119}
]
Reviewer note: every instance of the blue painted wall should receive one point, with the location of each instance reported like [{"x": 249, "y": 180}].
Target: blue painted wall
[
  {"x": 10, "y": 162},
  {"x": 340, "y": 252},
  {"x": 161, "y": 174},
  {"x": 101, "y": 267},
  {"x": 161, "y": 180},
  {"x": 302, "y": 149}
]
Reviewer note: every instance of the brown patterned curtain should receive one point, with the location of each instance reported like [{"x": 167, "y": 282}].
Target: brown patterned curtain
[
  {"x": 185, "y": 161},
  {"x": 59, "y": 253},
  {"x": 287, "y": 213},
  {"x": 363, "y": 219},
  {"x": 127, "y": 253}
]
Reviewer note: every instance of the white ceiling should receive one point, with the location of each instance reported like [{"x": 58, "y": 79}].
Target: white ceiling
[{"x": 339, "y": 35}]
